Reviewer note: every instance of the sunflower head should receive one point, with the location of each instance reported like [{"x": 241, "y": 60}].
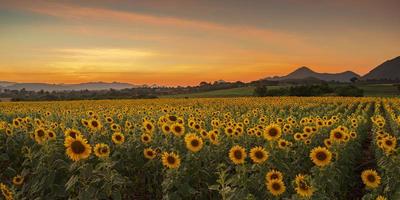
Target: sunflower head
[
  {"x": 370, "y": 178},
  {"x": 321, "y": 156},
  {"x": 193, "y": 142},
  {"x": 149, "y": 153},
  {"x": 18, "y": 180},
  {"x": 102, "y": 150},
  {"x": 276, "y": 187},
  {"x": 258, "y": 155},
  {"x": 118, "y": 138},
  {"x": 171, "y": 160},
  {"x": 273, "y": 175},
  {"x": 272, "y": 132},
  {"x": 77, "y": 148},
  {"x": 237, "y": 154}
]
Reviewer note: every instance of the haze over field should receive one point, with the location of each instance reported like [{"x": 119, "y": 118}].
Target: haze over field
[{"x": 185, "y": 42}]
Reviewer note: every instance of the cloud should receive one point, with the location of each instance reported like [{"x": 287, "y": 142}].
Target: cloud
[{"x": 79, "y": 13}]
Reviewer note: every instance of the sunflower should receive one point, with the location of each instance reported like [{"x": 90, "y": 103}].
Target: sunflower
[
  {"x": 178, "y": 129},
  {"x": 72, "y": 133},
  {"x": 95, "y": 124},
  {"x": 102, "y": 150},
  {"x": 109, "y": 120},
  {"x": 77, "y": 148},
  {"x": 145, "y": 138},
  {"x": 51, "y": 135},
  {"x": 302, "y": 187},
  {"x": 193, "y": 142},
  {"x": 171, "y": 160},
  {"x": 18, "y": 180},
  {"x": 272, "y": 132},
  {"x": 337, "y": 135},
  {"x": 328, "y": 143},
  {"x": 148, "y": 126},
  {"x": 40, "y": 135},
  {"x": 371, "y": 178},
  {"x": 7, "y": 193},
  {"x": 118, "y": 138},
  {"x": 166, "y": 128},
  {"x": 213, "y": 137},
  {"x": 115, "y": 127},
  {"x": 149, "y": 153},
  {"x": 237, "y": 154},
  {"x": 283, "y": 144},
  {"x": 273, "y": 175},
  {"x": 321, "y": 156},
  {"x": 258, "y": 155},
  {"x": 276, "y": 187},
  {"x": 389, "y": 143}
]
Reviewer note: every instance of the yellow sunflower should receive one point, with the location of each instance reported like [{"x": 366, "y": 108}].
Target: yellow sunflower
[
  {"x": 77, "y": 148},
  {"x": 166, "y": 128},
  {"x": 193, "y": 142},
  {"x": 321, "y": 156},
  {"x": 171, "y": 160},
  {"x": 51, "y": 135},
  {"x": 178, "y": 129},
  {"x": 18, "y": 180},
  {"x": 149, "y": 153},
  {"x": 40, "y": 135},
  {"x": 258, "y": 155},
  {"x": 118, "y": 138},
  {"x": 72, "y": 133},
  {"x": 145, "y": 138},
  {"x": 273, "y": 175},
  {"x": 272, "y": 132},
  {"x": 303, "y": 188},
  {"x": 237, "y": 154},
  {"x": 102, "y": 150},
  {"x": 276, "y": 187},
  {"x": 95, "y": 124},
  {"x": 371, "y": 178}
]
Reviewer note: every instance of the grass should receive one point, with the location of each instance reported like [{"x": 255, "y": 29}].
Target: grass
[
  {"x": 233, "y": 92},
  {"x": 376, "y": 90},
  {"x": 372, "y": 90}
]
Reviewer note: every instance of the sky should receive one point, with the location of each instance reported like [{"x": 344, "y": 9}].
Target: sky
[{"x": 184, "y": 42}]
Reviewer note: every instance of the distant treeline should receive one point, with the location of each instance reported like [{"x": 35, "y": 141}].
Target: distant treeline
[
  {"x": 302, "y": 87},
  {"x": 310, "y": 90},
  {"x": 132, "y": 93}
]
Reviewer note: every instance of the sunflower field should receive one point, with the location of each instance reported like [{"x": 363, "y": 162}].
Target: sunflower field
[{"x": 235, "y": 148}]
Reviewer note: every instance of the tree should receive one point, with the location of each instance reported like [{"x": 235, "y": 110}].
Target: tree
[
  {"x": 354, "y": 79},
  {"x": 260, "y": 91}
]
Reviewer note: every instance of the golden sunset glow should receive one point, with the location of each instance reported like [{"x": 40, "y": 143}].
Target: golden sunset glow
[{"x": 185, "y": 42}]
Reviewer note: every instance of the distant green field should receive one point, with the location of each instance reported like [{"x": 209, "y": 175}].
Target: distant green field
[
  {"x": 384, "y": 90},
  {"x": 234, "y": 92}
]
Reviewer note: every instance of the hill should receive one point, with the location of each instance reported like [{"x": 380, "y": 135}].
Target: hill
[
  {"x": 389, "y": 70},
  {"x": 66, "y": 87},
  {"x": 305, "y": 72}
]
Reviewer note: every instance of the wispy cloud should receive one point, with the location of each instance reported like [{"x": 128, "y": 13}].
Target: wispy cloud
[{"x": 74, "y": 12}]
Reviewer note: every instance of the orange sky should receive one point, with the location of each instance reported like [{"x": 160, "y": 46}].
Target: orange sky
[{"x": 185, "y": 42}]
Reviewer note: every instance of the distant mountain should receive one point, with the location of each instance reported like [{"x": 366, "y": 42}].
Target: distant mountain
[
  {"x": 305, "y": 72},
  {"x": 66, "y": 87},
  {"x": 6, "y": 83},
  {"x": 387, "y": 70}
]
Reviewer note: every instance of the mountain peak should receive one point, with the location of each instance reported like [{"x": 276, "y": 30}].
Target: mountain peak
[
  {"x": 305, "y": 72},
  {"x": 390, "y": 70}
]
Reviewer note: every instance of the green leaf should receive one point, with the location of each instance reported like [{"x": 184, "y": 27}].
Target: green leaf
[{"x": 71, "y": 182}]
